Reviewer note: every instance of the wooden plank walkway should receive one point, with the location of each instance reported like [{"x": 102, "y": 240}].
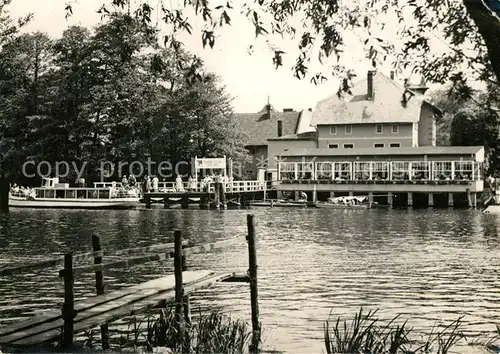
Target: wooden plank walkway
[{"x": 101, "y": 309}]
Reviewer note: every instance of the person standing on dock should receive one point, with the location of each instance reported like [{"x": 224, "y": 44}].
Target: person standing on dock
[
  {"x": 155, "y": 184},
  {"x": 124, "y": 181},
  {"x": 191, "y": 184},
  {"x": 178, "y": 184},
  {"x": 131, "y": 180}
]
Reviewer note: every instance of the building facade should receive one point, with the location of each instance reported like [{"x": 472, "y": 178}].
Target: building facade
[{"x": 378, "y": 140}]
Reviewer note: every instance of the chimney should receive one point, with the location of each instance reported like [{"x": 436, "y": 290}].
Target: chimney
[
  {"x": 280, "y": 128},
  {"x": 268, "y": 111},
  {"x": 310, "y": 109},
  {"x": 392, "y": 74},
  {"x": 370, "y": 92}
]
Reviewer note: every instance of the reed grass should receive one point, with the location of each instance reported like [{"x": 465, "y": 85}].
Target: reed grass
[
  {"x": 209, "y": 333},
  {"x": 366, "y": 334}
]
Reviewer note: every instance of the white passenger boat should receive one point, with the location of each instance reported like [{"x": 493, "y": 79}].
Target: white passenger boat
[{"x": 53, "y": 194}]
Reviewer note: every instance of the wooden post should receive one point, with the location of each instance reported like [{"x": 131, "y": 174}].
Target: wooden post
[
  {"x": 165, "y": 203},
  {"x": 179, "y": 288},
  {"x": 252, "y": 274},
  {"x": 99, "y": 287},
  {"x": 222, "y": 198},
  {"x": 185, "y": 202},
  {"x": 187, "y": 305},
  {"x": 4, "y": 194},
  {"x": 68, "y": 311},
  {"x": 217, "y": 194},
  {"x": 147, "y": 198}
]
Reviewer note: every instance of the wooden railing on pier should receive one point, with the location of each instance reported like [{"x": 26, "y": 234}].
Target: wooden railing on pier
[
  {"x": 171, "y": 187},
  {"x": 105, "y": 307}
]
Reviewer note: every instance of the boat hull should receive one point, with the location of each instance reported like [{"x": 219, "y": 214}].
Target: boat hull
[
  {"x": 59, "y": 203},
  {"x": 279, "y": 204},
  {"x": 340, "y": 206}
]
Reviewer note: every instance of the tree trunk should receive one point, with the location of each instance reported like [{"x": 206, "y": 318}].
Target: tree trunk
[
  {"x": 4, "y": 194},
  {"x": 489, "y": 27}
]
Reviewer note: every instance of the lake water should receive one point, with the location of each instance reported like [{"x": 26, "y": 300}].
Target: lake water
[{"x": 428, "y": 265}]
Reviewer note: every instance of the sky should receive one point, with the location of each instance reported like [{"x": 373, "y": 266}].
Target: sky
[{"x": 251, "y": 79}]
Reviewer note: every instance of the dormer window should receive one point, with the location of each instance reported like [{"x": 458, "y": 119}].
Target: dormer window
[{"x": 333, "y": 130}]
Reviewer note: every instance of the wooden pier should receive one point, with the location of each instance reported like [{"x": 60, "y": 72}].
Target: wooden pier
[
  {"x": 211, "y": 196},
  {"x": 105, "y": 307}
]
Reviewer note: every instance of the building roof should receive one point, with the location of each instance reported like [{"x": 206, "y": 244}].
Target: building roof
[
  {"x": 304, "y": 125},
  {"x": 303, "y": 136},
  {"x": 423, "y": 150},
  {"x": 386, "y": 107},
  {"x": 258, "y": 127}
]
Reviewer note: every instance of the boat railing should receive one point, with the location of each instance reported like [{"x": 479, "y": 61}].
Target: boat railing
[{"x": 81, "y": 193}]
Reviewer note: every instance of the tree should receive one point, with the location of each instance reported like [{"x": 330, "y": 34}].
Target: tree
[
  {"x": 469, "y": 28},
  {"x": 469, "y": 119}
]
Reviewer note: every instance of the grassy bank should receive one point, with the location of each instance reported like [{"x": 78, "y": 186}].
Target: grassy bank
[{"x": 217, "y": 333}]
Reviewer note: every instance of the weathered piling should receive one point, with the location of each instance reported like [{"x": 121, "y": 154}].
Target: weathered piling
[
  {"x": 147, "y": 199},
  {"x": 254, "y": 294},
  {"x": 179, "y": 287},
  {"x": 217, "y": 194},
  {"x": 186, "y": 301},
  {"x": 185, "y": 202},
  {"x": 68, "y": 310},
  {"x": 4, "y": 194},
  {"x": 99, "y": 286}
]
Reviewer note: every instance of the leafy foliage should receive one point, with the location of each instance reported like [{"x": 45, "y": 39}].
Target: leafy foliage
[
  {"x": 112, "y": 94},
  {"x": 470, "y": 119},
  {"x": 468, "y": 29}
]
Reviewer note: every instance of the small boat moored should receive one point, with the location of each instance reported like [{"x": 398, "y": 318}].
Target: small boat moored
[
  {"x": 279, "y": 203},
  {"x": 354, "y": 202}
]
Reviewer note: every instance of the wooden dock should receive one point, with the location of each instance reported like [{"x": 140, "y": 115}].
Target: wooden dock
[
  {"x": 99, "y": 310},
  {"x": 77, "y": 316},
  {"x": 213, "y": 196}
]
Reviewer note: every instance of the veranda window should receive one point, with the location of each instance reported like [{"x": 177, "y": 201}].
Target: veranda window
[
  {"x": 464, "y": 170},
  {"x": 400, "y": 171},
  {"x": 287, "y": 170},
  {"x": 361, "y": 171},
  {"x": 342, "y": 171},
  {"x": 380, "y": 171},
  {"x": 305, "y": 170},
  {"x": 477, "y": 171},
  {"x": 324, "y": 170},
  {"x": 442, "y": 171},
  {"x": 420, "y": 170}
]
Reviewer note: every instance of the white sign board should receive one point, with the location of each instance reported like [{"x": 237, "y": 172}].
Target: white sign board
[{"x": 210, "y": 163}]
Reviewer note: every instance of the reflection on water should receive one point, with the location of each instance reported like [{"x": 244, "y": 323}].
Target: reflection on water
[{"x": 428, "y": 265}]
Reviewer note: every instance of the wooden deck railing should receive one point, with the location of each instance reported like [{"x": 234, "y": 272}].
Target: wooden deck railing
[
  {"x": 176, "y": 251},
  {"x": 230, "y": 187}
]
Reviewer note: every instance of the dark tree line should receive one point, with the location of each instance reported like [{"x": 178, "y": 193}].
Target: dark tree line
[{"x": 111, "y": 94}]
